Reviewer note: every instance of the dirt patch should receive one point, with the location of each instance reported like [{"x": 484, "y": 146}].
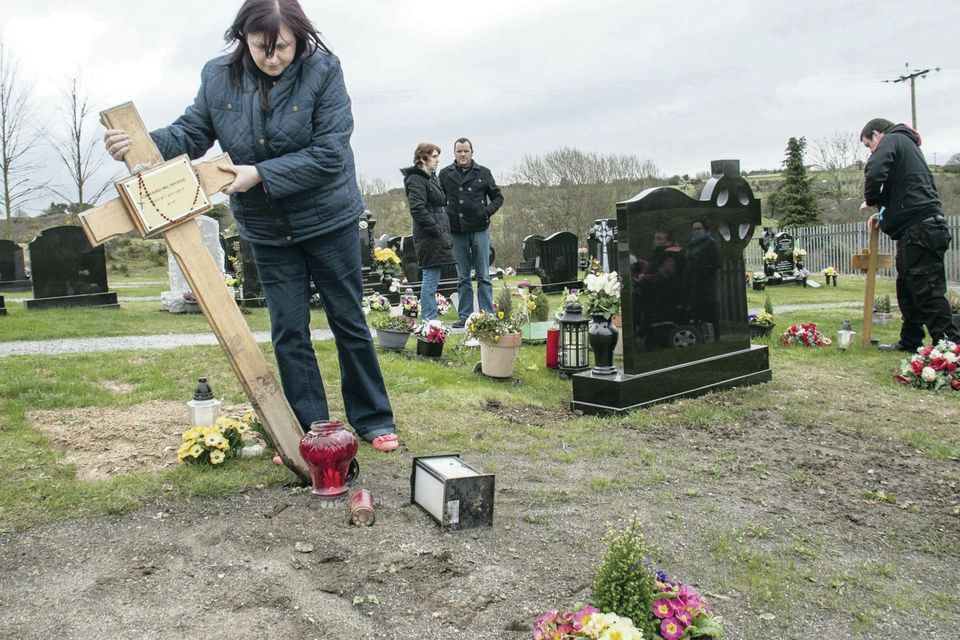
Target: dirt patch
[
  {"x": 101, "y": 442},
  {"x": 790, "y": 531}
]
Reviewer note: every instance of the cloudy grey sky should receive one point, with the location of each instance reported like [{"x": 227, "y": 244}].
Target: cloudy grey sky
[{"x": 680, "y": 83}]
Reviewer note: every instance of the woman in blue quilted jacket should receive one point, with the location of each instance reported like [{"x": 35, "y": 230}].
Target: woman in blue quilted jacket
[{"x": 278, "y": 106}]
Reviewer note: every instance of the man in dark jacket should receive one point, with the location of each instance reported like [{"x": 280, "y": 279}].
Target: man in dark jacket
[
  {"x": 898, "y": 183},
  {"x": 472, "y": 197}
]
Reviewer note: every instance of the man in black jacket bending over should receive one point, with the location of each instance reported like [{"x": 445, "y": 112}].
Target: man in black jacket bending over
[
  {"x": 899, "y": 184},
  {"x": 472, "y": 197}
]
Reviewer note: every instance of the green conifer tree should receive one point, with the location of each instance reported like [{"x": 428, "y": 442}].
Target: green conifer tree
[{"x": 794, "y": 200}]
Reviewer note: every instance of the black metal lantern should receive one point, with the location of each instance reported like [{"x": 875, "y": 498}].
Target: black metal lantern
[{"x": 574, "y": 349}]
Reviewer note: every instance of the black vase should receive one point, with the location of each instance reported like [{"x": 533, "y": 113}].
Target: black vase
[{"x": 602, "y": 336}]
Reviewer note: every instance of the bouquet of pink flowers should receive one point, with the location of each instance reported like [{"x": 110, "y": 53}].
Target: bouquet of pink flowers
[
  {"x": 586, "y": 622},
  {"x": 804, "y": 334},
  {"x": 683, "y": 613},
  {"x": 932, "y": 367}
]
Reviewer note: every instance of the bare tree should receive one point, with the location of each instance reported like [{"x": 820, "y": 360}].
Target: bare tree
[
  {"x": 82, "y": 155},
  {"x": 372, "y": 186},
  {"x": 835, "y": 156},
  {"x": 18, "y": 138}
]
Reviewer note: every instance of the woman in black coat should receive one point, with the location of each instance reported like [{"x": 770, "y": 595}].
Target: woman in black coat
[{"x": 431, "y": 226}]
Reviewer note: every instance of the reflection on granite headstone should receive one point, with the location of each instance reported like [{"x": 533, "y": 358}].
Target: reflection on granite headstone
[
  {"x": 67, "y": 271},
  {"x": 682, "y": 265},
  {"x": 528, "y": 266}
]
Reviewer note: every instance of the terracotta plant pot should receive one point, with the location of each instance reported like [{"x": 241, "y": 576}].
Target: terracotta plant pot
[{"x": 497, "y": 359}]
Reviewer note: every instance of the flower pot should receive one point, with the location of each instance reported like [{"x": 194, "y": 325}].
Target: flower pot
[
  {"x": 327, "y": 450},
  {"x": 759, "y": 286},
  {"x": 191, "y": 307},
  {"x": 761, "y": 330},
  {"x": 429, "y": 349},
  {"x": 602, "y": 336},
  {"x": 497, "y": 358},
  {"x": 618, "y": 323},
  {"x": 392, "y": 340},
  {"x": 536, "y": 331},
  {"x": 882, "y": 318}
]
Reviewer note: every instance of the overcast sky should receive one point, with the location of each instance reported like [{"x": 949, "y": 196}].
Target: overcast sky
[{"x": 679, "y": 83}]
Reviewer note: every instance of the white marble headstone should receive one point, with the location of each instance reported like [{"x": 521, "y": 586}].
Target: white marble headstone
[{"x": 173, "y": 300}]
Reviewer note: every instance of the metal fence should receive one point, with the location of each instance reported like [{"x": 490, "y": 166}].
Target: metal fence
[{"x": 832, "y": 245}]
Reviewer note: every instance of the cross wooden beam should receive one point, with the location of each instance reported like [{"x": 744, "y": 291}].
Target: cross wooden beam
[
  {"x": 161, "y": 200},
  {"x": 868, "y": 261}
]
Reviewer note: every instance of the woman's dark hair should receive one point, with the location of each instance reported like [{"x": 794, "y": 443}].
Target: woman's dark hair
[
  {"x": 877, "y": 124},
  {"x": 268, "y": 17}
]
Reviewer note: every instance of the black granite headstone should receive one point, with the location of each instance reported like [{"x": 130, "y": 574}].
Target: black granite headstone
[
  {"x": 414, "y": 275},
  {"x": 602, "y": 243},
  {"x": 556, "y": 261},
  {"x": 530, "y": 248},
  {"x": 252, "y": 291},
  {"x": 784, "y": 269},
  {"x": 683, "y": 334},
  {"x": 67, "y": 271},
  {"x": 12, "y": 273}
]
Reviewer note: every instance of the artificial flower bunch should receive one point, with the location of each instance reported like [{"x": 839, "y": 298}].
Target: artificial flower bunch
[
  {"x": 829, "y": 272},
  {"x": 682, "y": 611},
  {"x": 933, "y": 367},
  {"x": 378, "y": 302},
  {"x": 214, "y": 443},
  {"x": 761, "y": 318},
  {"x": 510, "y": 271},
  {"x": 388, "y": 262},
  {"x": 759, "y": 276},
  {"x": 432, "y": 331},
  {"x": 537, "y": 306},
  {"x": 582, "y": 251},
  {"x": 799, "y": 254},
  {"x": 523, "y": 284},
  {"x": 602, "y": 292},
  {"x": 411, "y": 305},
  {"x": 806, "y": 335},
  {"x": 586, "y": 622},
  {"x": 387, "y": 322},
  {"x": 443, "y": 304},
  {"x": 568, "y": 296},
  {"x": 770, "y": 257}
]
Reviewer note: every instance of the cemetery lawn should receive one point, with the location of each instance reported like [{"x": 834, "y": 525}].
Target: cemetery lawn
[{"x": 823, "y": 504}]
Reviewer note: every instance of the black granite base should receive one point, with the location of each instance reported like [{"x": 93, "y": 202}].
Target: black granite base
[
  {"x": 88, "y": 300},
  {"x": 595, "y": 394},
  {"x": 16, "y": 285}
]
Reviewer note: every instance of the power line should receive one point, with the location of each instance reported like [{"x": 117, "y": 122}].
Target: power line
[{"x": 912, "y": 77}]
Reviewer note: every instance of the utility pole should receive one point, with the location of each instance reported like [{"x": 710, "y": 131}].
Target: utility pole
[{"x": 912, "y": 77}]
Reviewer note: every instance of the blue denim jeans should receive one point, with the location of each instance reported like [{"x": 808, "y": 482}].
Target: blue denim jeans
[
  {"x": 472, "y": 251},
  {"x": 332, "y": 261},
  {"x": 428, "y": 293}
]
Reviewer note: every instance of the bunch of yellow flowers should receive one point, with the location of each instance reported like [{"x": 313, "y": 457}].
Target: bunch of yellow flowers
[{"x": 212, "y": 444}]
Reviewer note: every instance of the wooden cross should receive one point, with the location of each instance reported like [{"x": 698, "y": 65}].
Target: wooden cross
[
  {"x": 182, "y": 234},
  {"x": 868, "y": 261}
]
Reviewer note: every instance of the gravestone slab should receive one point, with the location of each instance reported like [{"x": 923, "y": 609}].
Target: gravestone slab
[
  {"x": 414, "y": 275},
  {"x": 172, "y": 300},
  {"x": 683, "y": 334},
  {"x": 556, "y": 262},
  {"x": 68, "y": 271},
  {"x": 785, "y": 267},
  {"x": 12, "y": 271},
  {"x": 528, "y": 266},
  {"x": 602, "y": 244},
  {"x": 251, "y": 292}
]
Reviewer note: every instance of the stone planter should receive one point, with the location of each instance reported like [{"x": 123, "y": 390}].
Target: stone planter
[
  {"x": 497, "y": 359},
  {"x": 536, "y": 331},
  {"x": 392, "y": 340},
  {"x": 882, "y": 318},
  {"x": 429, "y": 349},
  {"x": 761, "y": 330}
]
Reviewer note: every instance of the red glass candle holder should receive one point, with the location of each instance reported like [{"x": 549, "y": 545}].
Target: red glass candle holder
[
  {"x": 361, "y": 508},
  {"x": 327, "y": 450},
  {"x": 553, "y": 348}
]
